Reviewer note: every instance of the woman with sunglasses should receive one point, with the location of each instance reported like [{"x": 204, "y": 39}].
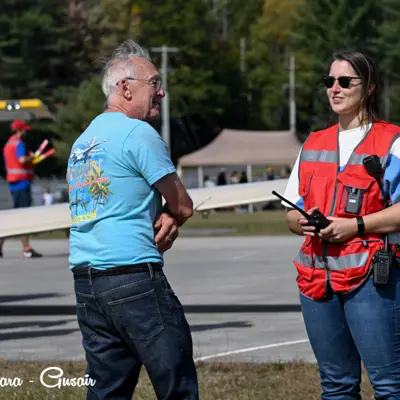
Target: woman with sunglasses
[{"x": 349, "y": 283}]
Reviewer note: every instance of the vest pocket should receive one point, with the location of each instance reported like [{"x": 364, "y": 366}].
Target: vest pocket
[
  {"x": 304, "y": 262},
  {"x": 313, "y": 189},
  {"x": 352, "y": 196},
  {"x": 304, "y": 185}
]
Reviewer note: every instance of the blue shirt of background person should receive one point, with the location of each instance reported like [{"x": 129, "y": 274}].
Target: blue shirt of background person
[
  {"x": 111, "y": 171},
  {"x": 23, "y": 184}
]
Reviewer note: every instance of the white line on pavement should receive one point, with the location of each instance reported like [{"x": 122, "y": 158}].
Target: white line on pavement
[{"x": 267, "y": 346}]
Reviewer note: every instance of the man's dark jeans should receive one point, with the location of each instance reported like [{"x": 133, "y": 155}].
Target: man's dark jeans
[
  {"x": 132, "y": 320},
  {"x": 22, "y": 198}
]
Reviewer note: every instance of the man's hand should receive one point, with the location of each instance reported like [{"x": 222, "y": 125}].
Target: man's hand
[
  {"x": 166, "y": 230},
  {"x": 26, "y": 159},
  {"x": 339, "y": 230}
]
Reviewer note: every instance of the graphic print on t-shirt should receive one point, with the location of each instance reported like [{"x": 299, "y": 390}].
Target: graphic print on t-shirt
[{"x": 89, "y": 189}]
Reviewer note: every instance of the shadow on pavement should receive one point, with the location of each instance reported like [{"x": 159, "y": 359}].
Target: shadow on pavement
[
  {"x": 31, "y": 309},
  {"x": 224, "y": 325},
  {"x": 33, "y": 329}
]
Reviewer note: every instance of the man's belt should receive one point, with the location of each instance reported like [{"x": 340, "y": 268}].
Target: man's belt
[{"x": 83, "y": 273}]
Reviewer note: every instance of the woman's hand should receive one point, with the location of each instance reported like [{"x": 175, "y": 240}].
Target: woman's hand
[
  {"x": 302, "y": 221},
  {"x": 339, "y": 230}
]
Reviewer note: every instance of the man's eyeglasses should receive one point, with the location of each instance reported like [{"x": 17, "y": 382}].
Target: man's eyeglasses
[
  {"x": 154, "y": 82},
  {"x": 344, "y": 81}
]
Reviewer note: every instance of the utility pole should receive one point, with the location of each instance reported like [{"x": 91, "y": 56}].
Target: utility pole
[
  {"x": 164, "y": 50},
  {"x": 292, "y": 98},
  {"x": 243, "y": 55},
  {"x": 225, "y": 20}
]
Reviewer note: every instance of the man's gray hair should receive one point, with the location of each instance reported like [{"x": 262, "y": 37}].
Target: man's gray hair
[{"x": 119, "y": 65}]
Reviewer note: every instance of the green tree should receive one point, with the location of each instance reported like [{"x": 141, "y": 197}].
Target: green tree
[
  {"x": 113, "y": 22},
  {"x": 82, "y": 105},
  {"x": 388, "y": 48},
  {"x": 324, "y": 27},
  {"x": 233, "y": 21},
  {"x": 203, "y": 78},
  {"x": 193, "y": 83},
  {"x": 40, "y": 51},
  {"x": 270, "y": 45}
]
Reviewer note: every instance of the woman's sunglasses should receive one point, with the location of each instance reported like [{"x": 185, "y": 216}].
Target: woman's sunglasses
[{"x": 344, "y": 81}]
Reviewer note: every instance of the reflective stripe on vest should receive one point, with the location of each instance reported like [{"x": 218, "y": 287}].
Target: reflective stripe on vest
[
  {"x": 331, "y": 157},
  {"x": 20, "y": 171},
  {"x": 348, "y": 261},
  {"x": 321, "y": 156}
]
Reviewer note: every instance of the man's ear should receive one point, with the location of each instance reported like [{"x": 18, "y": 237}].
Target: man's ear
[
  {"x": 127, "y": 93},
  {"x": 124, "y": 89}
]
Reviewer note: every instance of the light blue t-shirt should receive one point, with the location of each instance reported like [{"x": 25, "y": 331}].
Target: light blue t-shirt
[{"x": 111, "y": 171}]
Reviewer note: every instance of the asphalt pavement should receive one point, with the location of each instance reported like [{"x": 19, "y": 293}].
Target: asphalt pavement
[{"x": 239, "y": 294}]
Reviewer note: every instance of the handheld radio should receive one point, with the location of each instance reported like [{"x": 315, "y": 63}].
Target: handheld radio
[
  {"x": 383, "y": 259},
  {"x": 316, "y": 219}
]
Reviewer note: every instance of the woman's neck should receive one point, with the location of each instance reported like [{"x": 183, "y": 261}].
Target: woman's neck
[{"x": 347, "y": 122}]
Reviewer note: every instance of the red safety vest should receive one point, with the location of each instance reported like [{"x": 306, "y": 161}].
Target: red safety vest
[
  {"x": 342, "y": 266},
  {"x": 16, "y": 171}
]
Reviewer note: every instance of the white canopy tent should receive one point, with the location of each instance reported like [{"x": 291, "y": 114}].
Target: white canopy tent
[{"x": 237, "y": 147}]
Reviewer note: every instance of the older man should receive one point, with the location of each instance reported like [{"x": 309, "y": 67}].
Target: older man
[{"x": 117, "y": 172}]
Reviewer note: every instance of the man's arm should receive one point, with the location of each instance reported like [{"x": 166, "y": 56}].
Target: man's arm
[
  {"x": 147, "y": 154},
  {"x": 178, "y": 202},
  {"x": 177, "y": 210},
  {"x": 22, "y": 154},
  {"x": 25, "y": 159}
]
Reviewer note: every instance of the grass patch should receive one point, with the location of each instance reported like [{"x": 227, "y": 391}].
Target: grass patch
[
  {"x": 233, "y": 381},
  {"x": 51, "y": 235},
  {"x": 270, "y": 222}
]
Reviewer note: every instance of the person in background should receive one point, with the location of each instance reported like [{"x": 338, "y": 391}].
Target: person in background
[
  {"x": 48, "y": 197},
  {"x": 352, "y": 316},
  {"x": 243, "y": 177},
  {"x": 20, "y": 174},
  {"x": 208, "y": 183},
  {"x": 234, "y": 178},
  {"x": 270, "y": 174},
  {"x": 221, "y": 178}
]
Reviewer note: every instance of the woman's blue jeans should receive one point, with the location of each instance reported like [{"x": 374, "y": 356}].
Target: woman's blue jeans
[{"x": 363, "y": 326}]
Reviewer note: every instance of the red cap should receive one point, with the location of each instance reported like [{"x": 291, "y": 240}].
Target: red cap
[{"x": 18, "y": 125}]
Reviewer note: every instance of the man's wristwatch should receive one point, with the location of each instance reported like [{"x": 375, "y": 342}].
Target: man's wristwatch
[{"x": 361, "y": 226}]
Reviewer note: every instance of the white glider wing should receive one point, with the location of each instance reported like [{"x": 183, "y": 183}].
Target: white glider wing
[
  {"x": 236, "y": 195},
  {"x": 33, "y": 220},
  {"x": 24, "y": 221}
]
